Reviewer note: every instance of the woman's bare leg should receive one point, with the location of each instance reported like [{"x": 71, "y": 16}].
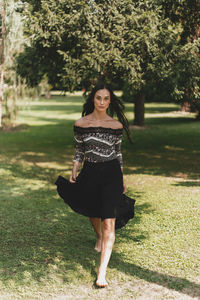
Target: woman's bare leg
[
  {"x": 108, "y": 239},
  {"x": 96, "y": 223}
]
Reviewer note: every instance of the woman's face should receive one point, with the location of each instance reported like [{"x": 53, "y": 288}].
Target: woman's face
[{"x": 102, "y": 100}]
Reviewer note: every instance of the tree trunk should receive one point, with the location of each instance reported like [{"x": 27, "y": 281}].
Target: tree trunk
[
  {"x": 1, "y": 90},
  {"x": 185, "y": 107},
  {"x": 198, "y": 115},
  {"x": 1, "y": 97},
  {"x": 2, "y": 56},
  {"x": 139, "y": 109}
]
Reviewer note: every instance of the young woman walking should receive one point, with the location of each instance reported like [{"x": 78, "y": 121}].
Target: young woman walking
[{"x": 98, "y": 191}]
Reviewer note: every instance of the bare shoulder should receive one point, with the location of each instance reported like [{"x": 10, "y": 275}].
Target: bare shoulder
[
  {"x": 81, "y": 122},
  {"x": 116, "y": 124}
]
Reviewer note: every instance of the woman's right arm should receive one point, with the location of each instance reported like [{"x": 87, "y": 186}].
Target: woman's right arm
[
  {"x": 78, "y": 156},
  {"x": 75, "y": 169}
]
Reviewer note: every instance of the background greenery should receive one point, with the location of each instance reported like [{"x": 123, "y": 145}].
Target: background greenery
[
  {"x": 148, "y": 48},
  {"x": 47, "y": 251}
]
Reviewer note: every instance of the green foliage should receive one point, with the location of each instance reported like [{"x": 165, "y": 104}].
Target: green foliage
[
  {"x": 186, "y": 72},
  {"x": 110, "y": 39},
  {"x": 30, "y": 68},
  {"x": 128, "y": 93},
  {"x": 184, "y": 12},
  {"x": 140, "y": 42}
]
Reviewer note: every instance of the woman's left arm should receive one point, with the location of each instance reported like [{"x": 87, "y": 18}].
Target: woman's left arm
[
  {"x": 124, "y": 184},
  {"x": 119, "y": 157}
]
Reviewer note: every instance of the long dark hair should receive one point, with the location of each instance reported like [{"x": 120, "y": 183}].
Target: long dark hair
[{"x": 116, "y": 106}]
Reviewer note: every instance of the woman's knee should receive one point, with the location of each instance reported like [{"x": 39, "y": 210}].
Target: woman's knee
[{"x": 108, "y": 225}]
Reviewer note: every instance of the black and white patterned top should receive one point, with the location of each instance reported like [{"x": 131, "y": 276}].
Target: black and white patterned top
[{"x": 97, "y": 144}]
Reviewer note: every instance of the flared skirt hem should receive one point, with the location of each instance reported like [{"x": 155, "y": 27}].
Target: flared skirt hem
[{"x": 71, "y": 192}]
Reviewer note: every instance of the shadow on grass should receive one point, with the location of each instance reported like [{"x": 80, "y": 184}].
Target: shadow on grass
[
  {"x": 169, "y": 121},
  {"x": 155, "y": 151},
  {"x": 188, "y": 183},
  {"x": 58, "y": 107},
  {"x": 170, "y": 152},
  {"x": 164, "y": 148},
  {"x": 56, "y": 242},
  {"x": 41, "y": 238},
  {"x": 69, "y": 104},
  {"x": 39, "y": 233},
  {"x": 155, "y": 108},
  {"x": 171, "y": 282},
  {"x": 163, "y": 166}
]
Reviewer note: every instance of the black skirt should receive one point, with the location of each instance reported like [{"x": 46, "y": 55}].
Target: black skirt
[{"x": 98, "y": 192}]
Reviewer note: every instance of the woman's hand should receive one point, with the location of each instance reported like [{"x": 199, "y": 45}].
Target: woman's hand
[
  {"x": 72, "y": 179},
  {"x": 76, "y": 166}
]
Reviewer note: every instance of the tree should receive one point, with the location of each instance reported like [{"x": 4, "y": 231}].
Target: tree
[
  {"x": 185, "y": 14},
  {"x": 2, "y": 53},
  {"x": 74, "y": 42},
  {"x": 11, "y": 87},
  {"x": 185, "y": 76}
]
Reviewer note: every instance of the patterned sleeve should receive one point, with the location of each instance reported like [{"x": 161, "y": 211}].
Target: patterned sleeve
[
  {"x": 118, "y": 149},
  {"x": 79, "y": 147}
]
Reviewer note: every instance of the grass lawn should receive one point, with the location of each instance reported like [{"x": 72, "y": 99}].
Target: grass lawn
[{"x": 46, "y": 250}]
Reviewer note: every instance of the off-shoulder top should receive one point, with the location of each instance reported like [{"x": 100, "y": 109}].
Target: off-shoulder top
[{"x": 97, "y": 144}]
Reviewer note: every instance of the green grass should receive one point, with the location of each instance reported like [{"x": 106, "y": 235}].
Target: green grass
[{"x": 46, "y": 250}]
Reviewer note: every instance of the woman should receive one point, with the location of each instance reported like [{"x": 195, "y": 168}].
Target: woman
[{"x": 99, "y": 190}]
